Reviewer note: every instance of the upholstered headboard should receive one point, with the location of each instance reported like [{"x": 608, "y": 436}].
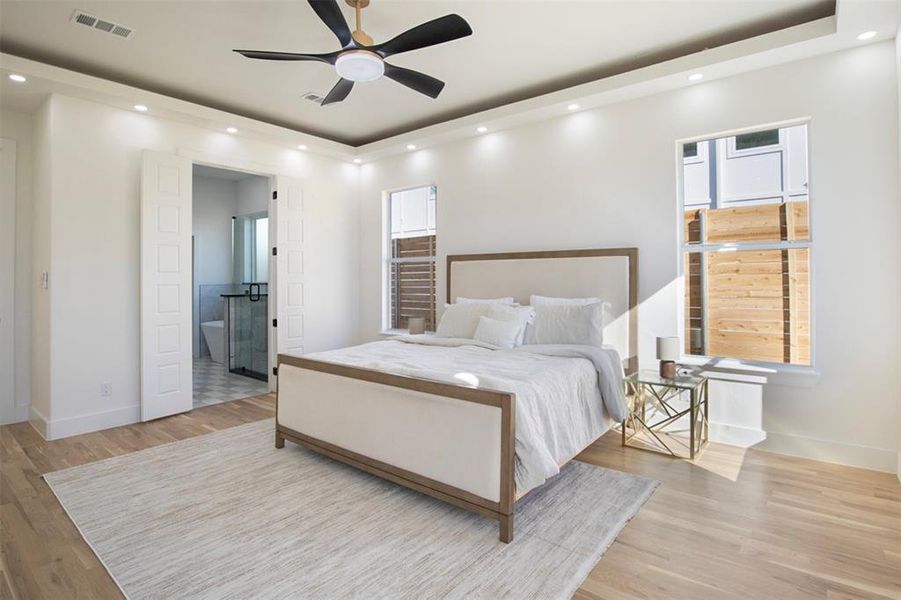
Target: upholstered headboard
[{"x": 608, "y": 273}]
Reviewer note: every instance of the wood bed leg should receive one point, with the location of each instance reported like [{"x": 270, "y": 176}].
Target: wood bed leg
[
  {"x": 506, "y": 527},
  {"x": 279, "y": 440}
]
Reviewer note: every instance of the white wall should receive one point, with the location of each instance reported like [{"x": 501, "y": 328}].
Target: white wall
[
  {"x": 41, "y": 231},
  {"x": 94, "y": 184},
  {"x": 898, "y": 288},
  {"x": 607, "y": 177},
  {"x": 253, "y": 195},
  {"x": 18, "y": 126},
  {"x": 215, "y": 203}
]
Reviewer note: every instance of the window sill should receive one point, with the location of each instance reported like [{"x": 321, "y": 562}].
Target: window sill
[
  {"x": 729, "y": 369},
  {"x": 393, "y": 332}
]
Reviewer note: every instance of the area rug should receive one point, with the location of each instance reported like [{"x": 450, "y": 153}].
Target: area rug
[{"x": 226, "y": 515}]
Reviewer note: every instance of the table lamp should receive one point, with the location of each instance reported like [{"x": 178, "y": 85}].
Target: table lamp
[
  {"x": 417, "y": 325},
  {"x": 668, "y": 354}
]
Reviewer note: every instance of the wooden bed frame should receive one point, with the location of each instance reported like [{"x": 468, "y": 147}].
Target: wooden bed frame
[{"x": 347, "y": 381}]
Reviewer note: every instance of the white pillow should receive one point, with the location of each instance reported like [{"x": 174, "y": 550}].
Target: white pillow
[
  {"x": 522, "y": 315},
  {"x": 498, "y": 333},
  {"x": 506, "y": 300},
  {"x": 567, "y": 324},
  {"x": 460, "y": 320},
  {"x": 548, "y": 301}
]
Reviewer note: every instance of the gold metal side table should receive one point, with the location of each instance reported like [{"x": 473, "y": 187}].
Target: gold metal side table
[{"x": 657, "y": 412}]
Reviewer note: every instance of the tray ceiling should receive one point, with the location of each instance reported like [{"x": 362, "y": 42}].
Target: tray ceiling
[{"x": 518, "y": 50}]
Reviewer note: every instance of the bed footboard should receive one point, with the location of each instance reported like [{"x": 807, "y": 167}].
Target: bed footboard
[{"x": 452, "y": 442}]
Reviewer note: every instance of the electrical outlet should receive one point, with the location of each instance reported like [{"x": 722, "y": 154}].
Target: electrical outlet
[{"x": 106, "y": 389}]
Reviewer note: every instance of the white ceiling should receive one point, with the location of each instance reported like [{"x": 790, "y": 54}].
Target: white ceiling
[{"x": 518, "y": 50}]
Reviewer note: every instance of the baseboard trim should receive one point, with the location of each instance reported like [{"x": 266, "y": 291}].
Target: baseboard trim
[
  {"x": 63, "y": 428},
  {"x": 743, "y": 437},
  {"x": 14, "y": 414},
  {"x": 864, "y": 457},
  {"x": 38, "y": 421}
]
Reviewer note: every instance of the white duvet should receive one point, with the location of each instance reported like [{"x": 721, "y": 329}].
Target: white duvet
[{"x": 561, "y": 390}]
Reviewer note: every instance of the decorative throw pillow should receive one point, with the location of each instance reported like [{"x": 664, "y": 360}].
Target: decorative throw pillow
[
  {"x": 548, "y": 300},
  {"x": 460, "y": 320},
  {"x": 498, "y": 333},
  {"x": 567, "y": 324},
  {"x": 522, "y": 315}
]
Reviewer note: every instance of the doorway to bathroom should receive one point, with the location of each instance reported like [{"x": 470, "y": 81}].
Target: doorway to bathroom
[
  {"x": 230, "y": 289},
  {"x": 171, "y": 250}
]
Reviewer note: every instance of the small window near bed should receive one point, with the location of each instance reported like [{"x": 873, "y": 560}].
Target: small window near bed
[
  {"x": 746, "y": 246},
  {"x": 411, "y": 256}
]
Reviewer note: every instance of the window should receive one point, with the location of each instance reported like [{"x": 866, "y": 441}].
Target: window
[
  {"x": 411, "y": 256},
  {"x": 250, "y": 240},
  {"x": 746, "y": 247},
  {"x": 757, "y": 139},
  {"x": 690, "y": 150}
]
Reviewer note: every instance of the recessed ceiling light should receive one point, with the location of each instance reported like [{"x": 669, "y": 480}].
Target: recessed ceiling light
[
  {"x": 302, "y": 147},
  {"x": 140, "y": 108},
  {"x": 573, "y": 107},
  {"x": 232, "y": 129},
  {"x": 696, "y": 77},
  {"x": 18, "y": 78},
  {"x": 866, "y": 35},
  {"x": 482, "y": 129},
  {"x": 358, "y": 160},
  {"x": 411, "y": 146}
]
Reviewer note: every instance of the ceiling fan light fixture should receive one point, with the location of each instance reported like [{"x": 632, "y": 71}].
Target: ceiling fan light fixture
[{"x": 360, "y": 65}]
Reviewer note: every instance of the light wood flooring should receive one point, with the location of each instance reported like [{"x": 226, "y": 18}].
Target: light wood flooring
[{"x": 734, "y": 524}]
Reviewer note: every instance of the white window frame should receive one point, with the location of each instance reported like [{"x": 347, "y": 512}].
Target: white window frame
[
  {"x": 388, "y": 260},
  {"x": 783, "y": 373},
  {"x": 733, "y": 152}
]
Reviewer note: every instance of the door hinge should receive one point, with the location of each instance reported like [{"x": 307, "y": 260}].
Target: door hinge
[
  {"x": 275, "y": 252},
  {"x": 275, "y": 195},
  {"x": 275, "y": 322},
  {"x": 275, "y": 371}
]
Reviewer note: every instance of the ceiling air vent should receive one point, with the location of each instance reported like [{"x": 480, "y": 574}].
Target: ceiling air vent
[
  {"x": 83, "y": 18},
  {"x": 313, "y": 97}
]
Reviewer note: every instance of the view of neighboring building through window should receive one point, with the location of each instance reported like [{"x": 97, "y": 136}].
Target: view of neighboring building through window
[
  {"x": 747, "y": 246},
  {"x": 411, "y": 273}
]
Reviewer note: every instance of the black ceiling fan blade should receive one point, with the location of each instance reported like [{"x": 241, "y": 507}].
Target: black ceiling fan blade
[
  {"x": 331, "y": 15},
  {"x": 422, "y": 83},
  {"x": 329, "y": 58},
  {"x": 339, "y": 92},
  {"x": 438, "y": 31}
]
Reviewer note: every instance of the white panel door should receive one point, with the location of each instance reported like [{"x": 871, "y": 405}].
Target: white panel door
[
  {"x": 289, "y": 280},
  {"x": 7, "y": 276},
  {"x": 166, "y": 378}
]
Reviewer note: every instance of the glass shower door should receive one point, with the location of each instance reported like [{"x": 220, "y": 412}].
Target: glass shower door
[{"x": 248, "y": 334}]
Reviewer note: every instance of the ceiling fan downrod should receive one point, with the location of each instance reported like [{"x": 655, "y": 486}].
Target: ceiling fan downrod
[{"x": 360, "y": 36}]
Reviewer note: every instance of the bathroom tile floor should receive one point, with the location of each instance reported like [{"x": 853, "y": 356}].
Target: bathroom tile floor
[{"x": 213, "y": 385}]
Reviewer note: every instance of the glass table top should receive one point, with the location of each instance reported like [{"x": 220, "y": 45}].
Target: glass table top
[{"x": 648, "y": 376}]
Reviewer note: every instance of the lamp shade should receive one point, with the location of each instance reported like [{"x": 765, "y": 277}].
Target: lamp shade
[
  {"x": 668, "y": 348},
  {"x": 417, "y": 325}
]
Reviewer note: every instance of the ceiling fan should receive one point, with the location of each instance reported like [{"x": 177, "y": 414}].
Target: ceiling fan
[{"x": 361, "y": 60}]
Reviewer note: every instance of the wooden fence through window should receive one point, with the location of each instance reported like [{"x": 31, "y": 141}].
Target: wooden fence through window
[
  {"x": 413, "y": 292},
  {"x": 748, "y": 304}
]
